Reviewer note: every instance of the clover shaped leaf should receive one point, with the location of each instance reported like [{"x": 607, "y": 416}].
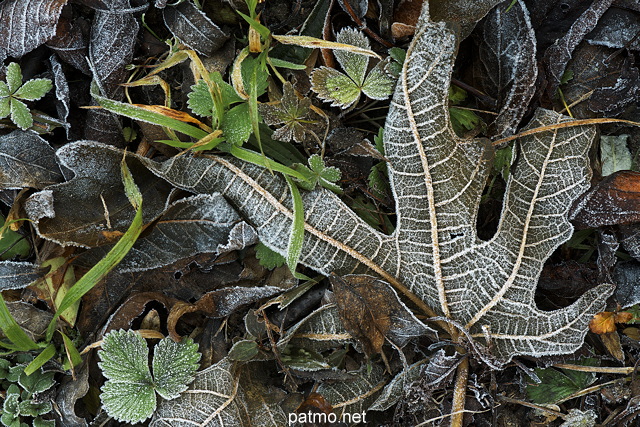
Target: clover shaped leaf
[
  {"x": 343, "y": 90},
  {"x": 13, "y": 93},
  {"x": 129, "y": 394}
]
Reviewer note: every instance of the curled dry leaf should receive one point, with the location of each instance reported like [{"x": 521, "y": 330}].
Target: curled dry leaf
[
  {"x": 614, "y": 200},
  {"x": 221, "y": 302},
  {"x": 371, "y": 311}
]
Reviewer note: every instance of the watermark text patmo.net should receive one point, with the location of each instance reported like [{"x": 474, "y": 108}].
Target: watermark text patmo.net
[{"x": 322, "y": 417}]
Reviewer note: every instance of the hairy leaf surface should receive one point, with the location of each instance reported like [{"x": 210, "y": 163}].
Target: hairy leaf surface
[{"x": 435, "y": 257}]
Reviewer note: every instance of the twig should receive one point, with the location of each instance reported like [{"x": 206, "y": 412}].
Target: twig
[
  {"x": 597, "y": 369},
  {"x": 569, "y": 124},
  {"x": 482, "y": 97}
]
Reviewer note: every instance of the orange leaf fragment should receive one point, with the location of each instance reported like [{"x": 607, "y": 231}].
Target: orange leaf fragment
[{"x": 605, "y": 321}]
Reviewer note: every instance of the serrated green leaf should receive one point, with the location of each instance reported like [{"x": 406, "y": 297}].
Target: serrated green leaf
[
  {"x": 319, "y": 174},
  {"x": 37, "y": 382},
  {"x": 39, "y": 422},
  {"x": 199, "y": 100},
  {"x": 4, "y": 90},
  {"x": 353, "y": 64},
  {"x": 463, "y": 120},
  {"x": 614, "y": 154},
  {"x": 5, "y": 107},
  {"x": 34, "y": 89},
  {"x": 128, "y": 402},
  {"x": 378, "y": 84},
  {"x": 268, "y": 258},
  {"x": 20, "y": 114},
  {"x": 236, "y": 125},
  {"x": 125, "y": 358},
  {"x": 14, "y": 77},
  {"x": 332, "y": 85},
  {"x": 174, "y": 366},
  {"x": 30, "y": 409}
]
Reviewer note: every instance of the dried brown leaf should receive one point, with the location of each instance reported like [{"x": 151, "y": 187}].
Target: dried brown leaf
[
  {"x": 371, "y": 311},
  {"x": 614, "y": 200}
]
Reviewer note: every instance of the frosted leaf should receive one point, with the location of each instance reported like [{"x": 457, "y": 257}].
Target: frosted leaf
[
  {"x": 319, "y": 331},
  {"x": 174, "y": 366},
  {"x": 25, "y": 25},
  {"x": 353, "y": 64},
  {"x": 332, "y": 85},
  {"x": 395, "y": 389},
  {"x": 189, "y": 226},
  {"x": 614, "y": 154},
  {"x": 124, "y": 358},
  {"x": 356, "y": 396},
  {"x": 91, "y": 207},
  {"x": 129, "y": 394},
  {"x": 507, "y": 64},
  {"x": 344, "y": 90},
  {"x": 27, "y": 160},
  {"x": 17, "y": 275},
  {"x": 225, "y": 394},
  {"x": 435, "y": 256},
  {"x": 378, "y": 84},
  {"x": 193, "y": 28}
]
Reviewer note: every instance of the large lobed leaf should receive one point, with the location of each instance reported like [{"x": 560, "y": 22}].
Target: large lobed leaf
[{"x": 437, "y": 181}]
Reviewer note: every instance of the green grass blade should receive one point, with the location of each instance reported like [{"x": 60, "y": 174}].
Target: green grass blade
[
  {"x": 41, "y": 359},
  {"x": 113, "y": 257},
  {"x": 260, "y": 160},
  {"x": 144, "y": 115},
  {"x": 261, "y": 29},
  {"x": 296, "y": 237},
  {"x": 73, "y": 355},
  {"x": 13, "y": 331}
]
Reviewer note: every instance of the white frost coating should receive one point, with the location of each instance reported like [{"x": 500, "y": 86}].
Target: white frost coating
[{"x": 40, "y": 205}]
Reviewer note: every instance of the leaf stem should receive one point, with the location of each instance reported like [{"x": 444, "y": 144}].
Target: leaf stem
[{"x": 460, "y": 391}]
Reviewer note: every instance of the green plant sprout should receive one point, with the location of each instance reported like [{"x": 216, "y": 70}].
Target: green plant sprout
[{"x": 14, "y": 92}]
